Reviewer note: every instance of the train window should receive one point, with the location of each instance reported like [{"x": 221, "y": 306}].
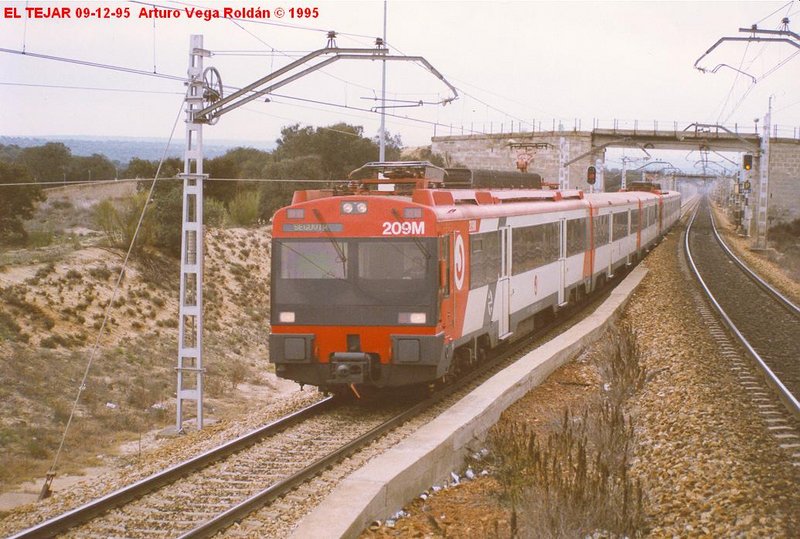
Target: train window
[
  {"x": 534, "y": 246},
  {"x": 635, "y": 220},
  {"x": 600, "y": 223},
  {"x": 620, "y": 225},
  {"x": 576, "y": 236},
  {"x": 484, "y": 260},
  {"x": 313, "y": 259},
  {"x": 391, "y": 260}
]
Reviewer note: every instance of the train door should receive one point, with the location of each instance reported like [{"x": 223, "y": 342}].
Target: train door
[
  {"x": 445, "y": 276},
  {"x": 562, "y": 262},
  {"x": 504, "y": 283},
  {"x": 629, "y": 243}
]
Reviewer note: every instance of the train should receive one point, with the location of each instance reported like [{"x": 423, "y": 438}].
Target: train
[{"x": 394, "y": 279}]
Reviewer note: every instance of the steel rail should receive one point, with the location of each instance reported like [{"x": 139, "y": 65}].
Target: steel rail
[
  {"x": 786, "y": 302},
  {"x": 86, "y": 512},
  {"x": 790, "y": 401},
  {"x": 277, "y": 490}
]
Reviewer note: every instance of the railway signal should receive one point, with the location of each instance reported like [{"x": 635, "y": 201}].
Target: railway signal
[
  {"x": 747, "y": 161},
  {"x": 591, "y": 175}
]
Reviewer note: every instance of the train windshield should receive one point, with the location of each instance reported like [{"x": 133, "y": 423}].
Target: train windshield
[{"x": 379, "y": 275}]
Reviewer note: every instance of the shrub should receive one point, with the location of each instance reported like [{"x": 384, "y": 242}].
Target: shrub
[
  {"x": 214, "y": 213},
  {"x": 101, "y": 274},
  {"x": 40, "y": 238},
  {"x": 61, "y": 204},
  {"x": 243, "y": 209},
  {"x": 575, "y": 480},
  {"x": 45, "y": 271},
  {"x": 9, "y": 329},
  {"x": 119, "y": 225}
]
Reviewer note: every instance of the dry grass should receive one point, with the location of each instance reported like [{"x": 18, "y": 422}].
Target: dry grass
[
  {"x": 52, "y": 302},
  {"x": 575, "y": 482}
]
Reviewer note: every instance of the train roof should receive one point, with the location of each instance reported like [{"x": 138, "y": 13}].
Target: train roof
[{"x": 421, "y": 182}]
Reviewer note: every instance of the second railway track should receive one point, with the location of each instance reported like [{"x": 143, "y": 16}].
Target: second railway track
[{"x": 769, "y": 326}]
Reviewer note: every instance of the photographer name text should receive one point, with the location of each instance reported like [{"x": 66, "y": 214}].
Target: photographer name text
[{"x": 116, "y": 12}]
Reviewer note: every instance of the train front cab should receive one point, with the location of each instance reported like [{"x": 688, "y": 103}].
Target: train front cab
[{"x": 360, "y": 300}]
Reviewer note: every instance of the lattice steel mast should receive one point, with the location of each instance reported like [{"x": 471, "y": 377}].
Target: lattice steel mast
[
  {"x": 205, "y": 105},
  {"x": 190, "y": 317}
]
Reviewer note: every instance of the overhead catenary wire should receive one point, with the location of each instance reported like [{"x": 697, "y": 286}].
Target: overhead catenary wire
[
  {"x": 55, "y": 185},
  {"x": 109, "y": 304},
  {"x": 182, "y": 79},
  {"x": 91, "y": 88},
  {"x": 93, "y": 64},
  {"x": 787, "y": 4},
  {"x": 733, "y": 85}
]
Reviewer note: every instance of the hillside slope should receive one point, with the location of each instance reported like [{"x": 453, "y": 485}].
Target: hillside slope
[{"x": 52, "y": 302}]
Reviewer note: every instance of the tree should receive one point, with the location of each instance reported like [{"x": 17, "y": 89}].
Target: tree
[
  {"x": 146, "y": 170},
  {"x": 393, "y": 145},
  {"x": 48, "y": 163},
  {"x": 341, "y": 148},
  {"x": 95, "y": 167},
  {"x": 277, "y": 194},
  {"x": 16, "y": 203},
  {"x": 235, "y": 163},
  {"x": 140, "y": 168}
]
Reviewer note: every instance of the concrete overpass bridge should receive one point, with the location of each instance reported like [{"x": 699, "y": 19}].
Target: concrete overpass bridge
[{"x": 563, "y": 156}]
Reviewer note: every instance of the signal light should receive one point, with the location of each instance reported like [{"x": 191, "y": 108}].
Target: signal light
[
  {"x": 747, "y": 161},
  {"x": 591, "y": 175}
]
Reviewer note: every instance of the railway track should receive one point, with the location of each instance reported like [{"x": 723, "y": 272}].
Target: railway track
[
  {"x": 209, "y": 493},
  {"x": 198, "y": 497},
  {"x": 765, "y": 323}
]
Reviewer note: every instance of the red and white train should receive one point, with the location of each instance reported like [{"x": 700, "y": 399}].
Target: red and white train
[{"x": 396, "y": 280}]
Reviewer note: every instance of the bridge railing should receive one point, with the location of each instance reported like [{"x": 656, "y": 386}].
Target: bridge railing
[{"x": 642, "y": 127}]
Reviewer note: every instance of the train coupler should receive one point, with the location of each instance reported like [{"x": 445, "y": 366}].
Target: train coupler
[{"x": 349, "y": 368}]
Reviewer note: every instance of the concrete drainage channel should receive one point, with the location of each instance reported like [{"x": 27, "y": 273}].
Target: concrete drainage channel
[{"x": 390, "y": 481}]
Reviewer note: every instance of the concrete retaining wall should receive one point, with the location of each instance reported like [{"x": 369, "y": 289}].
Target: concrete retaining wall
[
  {"x": 390, "y": 481},
  {"x": 784, "y": 181}
]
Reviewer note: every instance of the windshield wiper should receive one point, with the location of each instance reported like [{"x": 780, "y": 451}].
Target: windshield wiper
[
  {"x": 332, "y": 239},
  {"x": 420, "y": 245}
]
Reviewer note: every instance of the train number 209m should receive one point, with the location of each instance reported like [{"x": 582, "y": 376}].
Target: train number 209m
[{"x": 397, "y": 228}]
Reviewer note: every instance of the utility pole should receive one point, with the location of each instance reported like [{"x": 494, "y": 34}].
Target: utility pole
[
  {"x": 563, "y": 169},
  {"x": 763, "y": 181},
  {"x": 623, "y": 185},
  {"x": 382, "y": 150}
]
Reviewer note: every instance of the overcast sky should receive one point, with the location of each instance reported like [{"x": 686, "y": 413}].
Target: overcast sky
[{"x": 515, "y": 61}]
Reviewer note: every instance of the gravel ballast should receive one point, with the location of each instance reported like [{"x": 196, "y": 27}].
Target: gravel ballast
[{"x": 708, "y": 461}]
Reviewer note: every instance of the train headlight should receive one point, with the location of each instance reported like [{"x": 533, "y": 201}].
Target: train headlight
[
  {"x": 412, "y": 318},
  {"x": 349, "y": 208},
  {"x": 286, "y": 317}
]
